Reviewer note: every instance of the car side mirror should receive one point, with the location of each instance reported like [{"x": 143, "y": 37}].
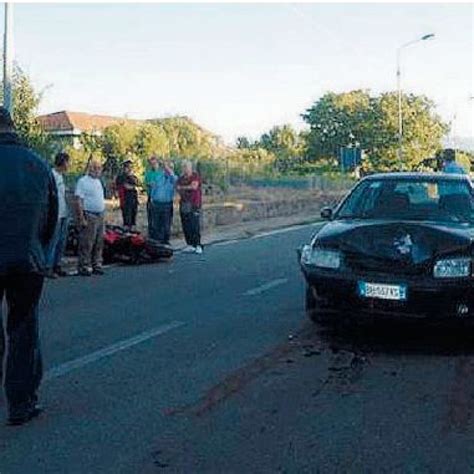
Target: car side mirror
[
  {"x": 299, "y": 251},
  {"x": 326, "y": 213}
]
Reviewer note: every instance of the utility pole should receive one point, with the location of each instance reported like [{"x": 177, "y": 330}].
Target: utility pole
[
  {"x": 400, "y": 117},
  {"x": 8, "y": 58}
]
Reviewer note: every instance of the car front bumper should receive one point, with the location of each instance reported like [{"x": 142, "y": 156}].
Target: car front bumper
[{"x": 436, "y": 300}]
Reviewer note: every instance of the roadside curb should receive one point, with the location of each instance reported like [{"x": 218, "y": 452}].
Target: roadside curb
[{"x": 218, "y": 238}]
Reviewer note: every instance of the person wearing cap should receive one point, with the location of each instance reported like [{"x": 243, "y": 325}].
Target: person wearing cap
[
  {"x": 90, "y": 208},
  {"x": 29, "y": 214},
  {"x": 126, "y": 184},
  {"x": 58, "y": 243}
]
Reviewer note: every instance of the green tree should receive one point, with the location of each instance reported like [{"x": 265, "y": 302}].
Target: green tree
[
  {"x": 26, "y": 101},
  {"x": 243, "y": 142},
  {"x": 119, "y": 143},
  {"x": 371, "y": 122},
  {"x": 338, "y": 120},
  {"x": 151, "y": 139},
  {"x": 187, "y": 139},
  {"x": 286, "y": 144},
  {"x": 465, "y": 159},
  {"x": 119, "y": 140},
  {"x": 423, "y": 131},
  {"x": 251, "y": 162}
]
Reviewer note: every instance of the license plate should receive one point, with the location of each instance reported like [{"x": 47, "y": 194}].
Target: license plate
[{"x": 382, "y": 291}]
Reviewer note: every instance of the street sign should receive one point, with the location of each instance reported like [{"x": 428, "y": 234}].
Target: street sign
[{"x": 349, "y": 158}]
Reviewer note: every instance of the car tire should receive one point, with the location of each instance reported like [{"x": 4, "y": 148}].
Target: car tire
[
  {"x": 321, "y": 318},
  {"x": 311, "y": 306}
]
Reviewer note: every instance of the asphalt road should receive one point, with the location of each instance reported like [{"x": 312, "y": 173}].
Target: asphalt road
[{"x": 207, "y": 364}]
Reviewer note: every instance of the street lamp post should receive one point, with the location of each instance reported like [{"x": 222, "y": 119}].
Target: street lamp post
[
  {"x": 453, "y": 133},
  {"x": 8, "y": 58},
  {"x": 399, "y": 88}
]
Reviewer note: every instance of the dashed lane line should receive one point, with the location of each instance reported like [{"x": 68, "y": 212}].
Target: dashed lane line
[
  {"x": 267, "y": 286},
  {"x": 67, "y": 367}
]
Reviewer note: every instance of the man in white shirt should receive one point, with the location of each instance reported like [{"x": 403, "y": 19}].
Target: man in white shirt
[
  {"x": 90, "y": 206},
  {"x": 58, "y": 242}
]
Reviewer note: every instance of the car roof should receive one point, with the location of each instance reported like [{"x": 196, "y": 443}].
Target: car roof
[{"x": 417, "y": 176}]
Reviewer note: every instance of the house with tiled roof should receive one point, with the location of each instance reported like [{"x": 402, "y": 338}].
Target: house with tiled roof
[{"x": 69, "y": 126}]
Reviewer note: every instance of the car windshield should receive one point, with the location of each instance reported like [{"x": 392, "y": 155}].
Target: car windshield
[{"x": 412, "y": 199}]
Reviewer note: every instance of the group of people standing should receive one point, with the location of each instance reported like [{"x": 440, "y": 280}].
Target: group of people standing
[
  {"x": 35, "y": 219},
  {"x": 161, "y": 184}
]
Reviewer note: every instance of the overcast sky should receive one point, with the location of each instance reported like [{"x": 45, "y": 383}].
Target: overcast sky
[{"x": 240, "y": 69}]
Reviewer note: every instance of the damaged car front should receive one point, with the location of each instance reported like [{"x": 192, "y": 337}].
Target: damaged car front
[{"x": 399, "y": 246}]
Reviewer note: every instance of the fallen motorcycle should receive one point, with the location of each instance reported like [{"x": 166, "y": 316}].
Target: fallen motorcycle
[{"x": 124, "y": 246}]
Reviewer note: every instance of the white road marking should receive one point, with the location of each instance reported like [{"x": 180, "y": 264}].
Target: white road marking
[
  {"x": 74, "y": 364},
  {"x": 267, "y": 286},
  {"x": 283, "y": 231},
  {"x": 264, "y": 234}
]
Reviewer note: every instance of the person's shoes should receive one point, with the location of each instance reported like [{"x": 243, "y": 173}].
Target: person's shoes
[
  {"x": 18, "y": 419},
  {"x": 198, "y": 250},
  {"x": 84, "y": 272},
  {"x": 98, "y": 271},
  {"x": 60, "y": 272},
  {"x": 21, "y": 417},
  {"x": 189, "y": 249},
  {"x": 51, "y": 274}
]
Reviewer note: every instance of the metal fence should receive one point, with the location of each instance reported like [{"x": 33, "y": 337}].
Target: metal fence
[{"x": 324, "y": 183}]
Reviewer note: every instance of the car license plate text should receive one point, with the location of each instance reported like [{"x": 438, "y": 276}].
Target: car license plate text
[{"x": 382, "y": 291}]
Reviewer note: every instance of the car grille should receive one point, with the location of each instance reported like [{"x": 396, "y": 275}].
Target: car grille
[{"x": 369, "y": 264}]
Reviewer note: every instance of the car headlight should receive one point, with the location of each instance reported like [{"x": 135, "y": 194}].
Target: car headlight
[
  {"x": 452, "y": 268},
  {"x": 320, "y": 257}
]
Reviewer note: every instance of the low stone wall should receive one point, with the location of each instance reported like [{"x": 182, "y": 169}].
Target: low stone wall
[{"x": 239, "y": 211}]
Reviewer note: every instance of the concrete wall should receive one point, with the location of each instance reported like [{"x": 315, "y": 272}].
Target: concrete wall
[{"x": 240, "y": 211}]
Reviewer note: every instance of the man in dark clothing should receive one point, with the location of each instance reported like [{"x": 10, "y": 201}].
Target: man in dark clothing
[
  {"x": 28, "y": 214},
  {"x": 189, "y": 188},
  {"x": 126, "y": 184}
]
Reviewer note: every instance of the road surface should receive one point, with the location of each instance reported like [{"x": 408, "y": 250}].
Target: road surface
[{"x": 208, "y": 364}]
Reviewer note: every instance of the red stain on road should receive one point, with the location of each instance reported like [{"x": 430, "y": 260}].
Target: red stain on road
[{"x": 240, "y": 378}]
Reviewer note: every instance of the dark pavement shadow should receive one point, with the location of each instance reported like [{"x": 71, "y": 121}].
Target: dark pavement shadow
[{"x": 400, "y": 338}]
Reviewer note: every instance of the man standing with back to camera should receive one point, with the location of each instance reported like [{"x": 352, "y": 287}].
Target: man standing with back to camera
[{"x": 28, "y": 215}]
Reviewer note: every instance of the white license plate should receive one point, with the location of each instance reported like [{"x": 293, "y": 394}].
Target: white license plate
[{"x": 382, "y": 291}]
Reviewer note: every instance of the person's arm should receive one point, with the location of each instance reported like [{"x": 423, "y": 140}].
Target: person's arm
[
  {"x": 148, "y": 182},
  {"x": 81, "y": 219},
  {"x": 169, "y": 168},
  {"x": 190, "y": 187},
  {"x": 79, "y": 201},
  {"x": 173, "y": 178}
]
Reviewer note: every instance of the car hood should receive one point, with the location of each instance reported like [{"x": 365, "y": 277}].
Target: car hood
[{"x": 396, "y": 239}]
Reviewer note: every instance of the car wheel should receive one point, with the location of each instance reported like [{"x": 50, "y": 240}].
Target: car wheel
[{"x": 311, "y": 306}]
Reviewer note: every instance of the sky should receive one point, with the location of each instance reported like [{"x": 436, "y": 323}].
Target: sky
[{"x": 240, "y": 69}]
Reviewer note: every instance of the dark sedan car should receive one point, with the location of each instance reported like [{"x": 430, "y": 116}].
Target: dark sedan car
[{"x": 399, "y": 245}]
